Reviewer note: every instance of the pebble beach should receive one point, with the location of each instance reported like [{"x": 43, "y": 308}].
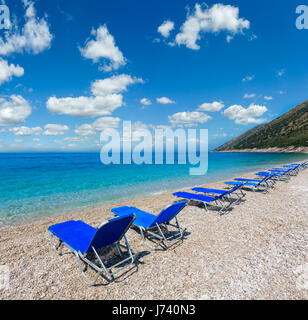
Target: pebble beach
[{"x": 257, "y": 250}]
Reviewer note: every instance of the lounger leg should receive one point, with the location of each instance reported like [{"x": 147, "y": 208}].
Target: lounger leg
[
  {"x": 83, "y": 269},
  {"x": 144, "y": 236},
  {"x": 205, "y": 206},
  {"x": 57, "y": 249},
  {"x": 119, "y": 249}
]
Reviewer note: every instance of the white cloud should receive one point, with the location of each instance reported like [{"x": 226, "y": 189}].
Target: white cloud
[
  {"x": 216, "y": 19},
  {"x": 219, "y": 135},
  {"x": 34, "y": 37},
  {"x": 268, "y": 98},
  {"x": 105, "y": 123},
  {"x": 245, "y": 116},
  {"x": 106, "y": 98},
  {"x": 138, "y": 130},
  {"x": 26, "y": 131},
  {"x": 75, "y": 139},
  {"x": 103, "y": 47},
  {"x": 114, "y": 84},
  {"x": 145, "y": 102},
  {"x": 281, "y": 72},
  {"x": 249, "y": 96},
  {"x": 229, "y": 38},
  {"x": 100, "y": 124},
  {"x": 55, "y": 130},
  {"x": 14, "y": 110},
  {"x": 248, "y": 78},
  {"x": 7, "y": 71},
  {"x": 188, "y": 119},
  {"x": 85, "y": 130},
  {"x": 85, "y": 106},
  {"x": 211, "y": 107},
  {"x": 164, "y": 100},
  {"x": 35, "y": 139},
  {"x": 165, "y": 28}
]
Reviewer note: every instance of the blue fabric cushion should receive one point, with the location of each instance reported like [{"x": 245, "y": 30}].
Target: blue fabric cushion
[
  {"x": 233, "y": 183},
  {"x": 207, "y": 190},
  {"x": 77, "y": 234},
  {"x": 248, "y": 180},
  {"x": 143, "y": 219},
  {"x": 194, "y": 196}
]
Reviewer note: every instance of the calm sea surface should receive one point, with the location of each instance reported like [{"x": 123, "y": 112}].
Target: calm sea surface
[{"x": 36, "y": 184}]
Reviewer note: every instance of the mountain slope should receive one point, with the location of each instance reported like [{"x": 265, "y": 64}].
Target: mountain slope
[{"x": 290, "y": 129}]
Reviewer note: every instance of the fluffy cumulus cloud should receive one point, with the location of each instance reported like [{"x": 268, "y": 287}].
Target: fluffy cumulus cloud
[
  {"x": 164, "y": 100},
  {"x": 85, "y": 106},
  {"x": 34, "y": 37},
  {"x": 85, "y": 130},
  {"x": 7, "y": 71},
  {"x": 14, "y": 110},
  {"x": 216, "y": 19},
  {"x": 188, "y": 119},
  {"x": 138, "y": 130},
  {"x": 145, "y": 102},
  {"x": 212, "y": 107},
  {"x": 165, "y": 28},
  {"x": 89, "y": 129},
  {"x": 114, "y": 84},
  {"x": 106, "y": 98},
  {"x": 244, "y": 116},
  {"x": 103, "y": 47},
  {"x": 106, "y": 123},
  {"x": 26, "y": 131},
  {"x": 55, "y": 130}
]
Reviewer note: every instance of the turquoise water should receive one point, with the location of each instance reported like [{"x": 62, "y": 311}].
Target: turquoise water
[{"x": 33, "y": 185}]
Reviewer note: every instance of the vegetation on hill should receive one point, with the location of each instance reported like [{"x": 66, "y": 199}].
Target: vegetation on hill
[{"x": 290, "y": 129}]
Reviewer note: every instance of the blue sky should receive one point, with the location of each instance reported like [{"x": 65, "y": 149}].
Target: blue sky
[{"x": 69, "y": 69}]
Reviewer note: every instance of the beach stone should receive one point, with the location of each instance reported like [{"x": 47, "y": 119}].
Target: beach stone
[{"x": 256, "y": 251}]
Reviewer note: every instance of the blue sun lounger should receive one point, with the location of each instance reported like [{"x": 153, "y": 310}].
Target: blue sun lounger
[
  {"x": 288, "y": 171},
  {"x": 266, "y": 181},
  {"x": 154, "y": 227},
  {"x": 226, "y": 194},
  {"x": 276, "y": 176},
  {"x": 85, "y": 242},
  {"x": 302, "y": 165},
  {"x": 218, "y": 200},
  {"x": 262, "y": 185},
  {"x": 295, "y": 168},
  {"x": 285, "y": 173}
]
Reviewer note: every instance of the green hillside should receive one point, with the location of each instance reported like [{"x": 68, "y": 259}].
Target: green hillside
[{"x": 290, "y": 129}]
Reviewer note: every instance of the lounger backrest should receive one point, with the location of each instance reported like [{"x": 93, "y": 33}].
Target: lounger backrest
[
  {"x": 170, "y": 212},
  {"x": 110, "y": 232}
]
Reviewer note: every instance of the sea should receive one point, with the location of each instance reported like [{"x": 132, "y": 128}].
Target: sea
[{"x": 33, "y": 185}]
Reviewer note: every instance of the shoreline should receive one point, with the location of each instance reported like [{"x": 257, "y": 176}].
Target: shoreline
[
  {"x": 101, "y": 206},
  {"x": 78, "y": 211},
  {"x": 252, "y": 252},
  {"x": 113, "y": 203},
  {"x": 291, "y": 150}
]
